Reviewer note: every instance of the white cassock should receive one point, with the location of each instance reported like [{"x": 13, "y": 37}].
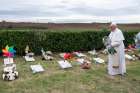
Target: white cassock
[{"x": 117, "y": 38}]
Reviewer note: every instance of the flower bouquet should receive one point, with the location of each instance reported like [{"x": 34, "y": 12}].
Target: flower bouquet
[{"x": 111, "y": 50}]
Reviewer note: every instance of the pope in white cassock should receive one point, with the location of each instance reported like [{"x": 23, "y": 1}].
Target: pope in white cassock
[{"x": 116, "y": 64}]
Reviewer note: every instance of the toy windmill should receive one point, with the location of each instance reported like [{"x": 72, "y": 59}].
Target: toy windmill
[{"x": 8, "y": 51}]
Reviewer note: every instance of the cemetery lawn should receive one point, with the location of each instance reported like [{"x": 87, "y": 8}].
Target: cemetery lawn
[{"x": 73, "y": 80}]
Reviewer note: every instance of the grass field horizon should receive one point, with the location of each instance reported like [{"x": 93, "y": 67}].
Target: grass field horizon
[{"x": 66, "y": 26}]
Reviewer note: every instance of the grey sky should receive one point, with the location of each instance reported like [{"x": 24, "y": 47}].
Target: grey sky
[{"x": 70, "y": 10}]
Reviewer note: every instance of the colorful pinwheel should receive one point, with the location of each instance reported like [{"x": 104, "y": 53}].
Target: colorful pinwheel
[{"x": 8, "y": 51}]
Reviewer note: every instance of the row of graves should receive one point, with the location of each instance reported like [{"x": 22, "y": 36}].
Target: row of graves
[
  {"x": 9, "y": 68},
  {"x": 10, "y": 72},
  {"x": 83, "y": 60}
]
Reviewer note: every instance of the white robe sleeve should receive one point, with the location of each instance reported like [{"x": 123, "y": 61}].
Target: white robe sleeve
[{"x": 118, "y": 35}]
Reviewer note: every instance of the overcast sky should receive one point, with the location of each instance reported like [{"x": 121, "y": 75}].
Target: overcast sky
[{"x": 119, "y": 11}]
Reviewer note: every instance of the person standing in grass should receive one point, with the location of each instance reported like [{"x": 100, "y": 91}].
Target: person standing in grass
[{"x": 116, "y": 64}]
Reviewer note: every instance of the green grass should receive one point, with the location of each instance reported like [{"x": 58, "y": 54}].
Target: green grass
[{"x": 73, "y": 80}]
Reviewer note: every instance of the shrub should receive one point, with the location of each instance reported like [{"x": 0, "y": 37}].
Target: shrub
[{"x": 57, "y": 41}]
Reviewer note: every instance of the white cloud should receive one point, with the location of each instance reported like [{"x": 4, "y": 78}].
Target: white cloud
[{"x": 70, "y": 10}]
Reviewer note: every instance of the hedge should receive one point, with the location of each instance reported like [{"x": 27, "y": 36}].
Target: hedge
[{"x": 57, "y": 41}]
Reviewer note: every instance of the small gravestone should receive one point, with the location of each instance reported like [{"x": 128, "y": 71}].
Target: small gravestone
[
  {"x": 98, "y": 60},
  {"x": 79, "y": 54},
  {"x": 36, "y": 68},
  {"x": 46, "y": 55},
  {"x": 28, "y": 55},
  {"x": 64, "y": 64}
]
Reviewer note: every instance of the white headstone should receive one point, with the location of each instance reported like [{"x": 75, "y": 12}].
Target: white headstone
[
  {"x": 98, "y": 60},
  {"x": 64, "y": 64},
  {"x": 36, "y": 68},
  {"x": 29, "y": 59},
  {"x": 79, "y": 54}
]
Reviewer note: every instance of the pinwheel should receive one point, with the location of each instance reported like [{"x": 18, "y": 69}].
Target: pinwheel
[{"x": 8, "y": 51}]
